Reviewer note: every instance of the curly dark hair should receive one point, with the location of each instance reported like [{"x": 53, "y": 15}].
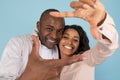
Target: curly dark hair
[{"x": 84, "y": 41}]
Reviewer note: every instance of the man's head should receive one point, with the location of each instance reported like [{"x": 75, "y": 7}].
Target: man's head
[{"x": 50, "y": 28}]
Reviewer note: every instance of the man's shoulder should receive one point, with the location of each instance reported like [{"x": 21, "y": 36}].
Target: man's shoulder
[{"x": 24, "y": 37}]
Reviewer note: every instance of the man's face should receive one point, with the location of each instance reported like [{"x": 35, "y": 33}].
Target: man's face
[{"x": 50, "y": 31}]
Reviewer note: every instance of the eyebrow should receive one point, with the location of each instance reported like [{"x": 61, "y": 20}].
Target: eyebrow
[
  {"x": 69, "y": 34},
  {"x": 76, "y": 37},
  {"x": 49, "y": 25}
]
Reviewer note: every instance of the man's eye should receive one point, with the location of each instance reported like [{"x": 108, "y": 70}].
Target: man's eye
[
  {"x": 49, "y": 29},
  {"x": 60, "y": 31}
]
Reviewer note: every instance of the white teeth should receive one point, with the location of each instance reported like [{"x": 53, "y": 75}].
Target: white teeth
[
  {"x": 68, "y": 47},
  {"x": 52, "y": 41}
]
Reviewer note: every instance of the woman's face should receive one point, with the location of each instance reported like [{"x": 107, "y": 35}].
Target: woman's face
[{"x": 69, "y": 43}]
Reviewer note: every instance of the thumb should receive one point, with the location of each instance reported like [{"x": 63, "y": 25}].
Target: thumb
[
  {"x": 62, "y": 14},
  {"x": 35, "y": 44},
  {"x": 35, "y": 48}
]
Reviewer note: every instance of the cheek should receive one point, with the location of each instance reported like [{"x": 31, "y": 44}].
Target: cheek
[
  {"x": 43, "y": 35},
  {"x": 61, "y": 43},
  {"x": 76, "y": 46},
  {"x": 59, "y": 36}
]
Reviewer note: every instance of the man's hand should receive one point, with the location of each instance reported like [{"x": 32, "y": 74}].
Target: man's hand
[
  {"x": 41, "y": 69},
  {"x": 92, "y": 11}
]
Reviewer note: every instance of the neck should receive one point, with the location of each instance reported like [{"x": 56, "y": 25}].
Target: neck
[{"x": 64, "y": 56}]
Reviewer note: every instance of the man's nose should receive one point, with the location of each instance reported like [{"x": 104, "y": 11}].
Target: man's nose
[{"x": 54, "y": 35}]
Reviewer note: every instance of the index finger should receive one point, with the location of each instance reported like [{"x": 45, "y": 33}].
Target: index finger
[
  {"x": 80, "y": 3},
  {"x": 62, "y": 14}
]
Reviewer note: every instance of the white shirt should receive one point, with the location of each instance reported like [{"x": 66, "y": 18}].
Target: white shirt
[
  {"x": 46, "y": 53},
  {"x": 84, "y": 70}
]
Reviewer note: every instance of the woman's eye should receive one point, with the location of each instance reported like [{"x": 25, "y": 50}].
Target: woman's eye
[
  {"x": 65, "y": 37},
  {"x": 75, "y": 40}
]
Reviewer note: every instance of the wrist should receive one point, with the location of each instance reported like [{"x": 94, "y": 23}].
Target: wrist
[{"x": 102, "y": 20}]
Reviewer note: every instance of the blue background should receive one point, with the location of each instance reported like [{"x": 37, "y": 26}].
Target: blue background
[{"x": 20, "y": 16}]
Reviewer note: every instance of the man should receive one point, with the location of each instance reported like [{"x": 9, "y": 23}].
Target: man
[{"x": 16, "y": 58}]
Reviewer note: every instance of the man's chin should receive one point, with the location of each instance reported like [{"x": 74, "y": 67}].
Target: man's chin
[{"x": 50, "y": 47}]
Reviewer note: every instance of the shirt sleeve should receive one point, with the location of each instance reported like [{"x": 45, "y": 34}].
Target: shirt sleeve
[
  {"x": 11, "y": 60},
  {"x": 103, "y": 48}
]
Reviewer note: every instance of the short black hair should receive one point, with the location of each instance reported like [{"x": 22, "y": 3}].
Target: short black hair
[{"x": 46, "y": 12}]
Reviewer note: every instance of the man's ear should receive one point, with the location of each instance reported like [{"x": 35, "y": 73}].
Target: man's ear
[{"x": 38, "y": 25}]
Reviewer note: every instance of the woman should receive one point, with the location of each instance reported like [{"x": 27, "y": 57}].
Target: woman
[{"x": 75, "y": 41}]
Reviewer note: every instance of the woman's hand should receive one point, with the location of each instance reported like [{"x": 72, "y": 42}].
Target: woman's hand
[{"x": 92, "y": 11}]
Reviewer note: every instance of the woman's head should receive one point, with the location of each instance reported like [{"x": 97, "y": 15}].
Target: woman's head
[{"x": 73, "y": 41}]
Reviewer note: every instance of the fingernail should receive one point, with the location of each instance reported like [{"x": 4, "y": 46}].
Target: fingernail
[
  {"x": 95, "y": 6},
  {"x": 85, "y": 6}
]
